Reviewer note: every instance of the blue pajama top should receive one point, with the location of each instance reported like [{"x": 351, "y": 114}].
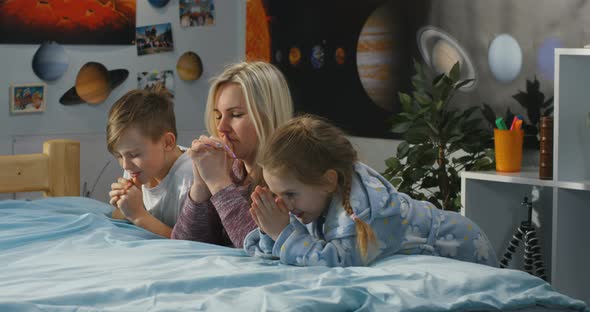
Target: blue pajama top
[{"x": 401, "y": 225}]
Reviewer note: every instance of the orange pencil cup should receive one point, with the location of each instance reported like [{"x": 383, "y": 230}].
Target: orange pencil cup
[{"x": 508, "y": 149}]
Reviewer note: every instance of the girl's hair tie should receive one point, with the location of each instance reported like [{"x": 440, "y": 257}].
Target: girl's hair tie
[{"x": 354, "y": 217}]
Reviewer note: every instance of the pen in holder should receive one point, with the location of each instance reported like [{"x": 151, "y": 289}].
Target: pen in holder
[{"x": 508, "y": 149}]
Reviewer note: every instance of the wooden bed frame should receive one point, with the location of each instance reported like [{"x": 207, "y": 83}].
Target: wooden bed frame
[{"x": 55, "y": 172}]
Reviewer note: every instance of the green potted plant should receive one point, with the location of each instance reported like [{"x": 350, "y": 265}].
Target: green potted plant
[
  {"x": 438, "y": 142},
  {"x": 535, "y": 104}
]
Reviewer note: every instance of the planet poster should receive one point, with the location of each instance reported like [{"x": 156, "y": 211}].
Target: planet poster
[
  {"x": 348, "y": 60},
  {"x": 345, "y": 60},
  {"x": 68, "y": 22}
]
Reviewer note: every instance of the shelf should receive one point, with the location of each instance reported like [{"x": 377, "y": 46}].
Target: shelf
[
  {"x": 527, "y": 176},
  {"x": 574, "y": 185}
]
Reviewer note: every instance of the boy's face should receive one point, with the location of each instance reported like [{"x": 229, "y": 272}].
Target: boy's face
[
  {"x": 140, "y": 157},
  {"x": 305, "y": 201},
  {"x": 234, "y": 124}
]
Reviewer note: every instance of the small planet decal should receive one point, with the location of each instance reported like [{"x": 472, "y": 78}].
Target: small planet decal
[
  {"x": 546, "y": 57},
  {"x": 189, "y": 66},
  {"x": 505, "y": 58},
  {"x": 317, "y": 56},
  {"x": 50, "y": 61},
  {"x": 158, "y": 3},
  {"x": 294, "y": 56},
  {"x": 340, "y": 56}
]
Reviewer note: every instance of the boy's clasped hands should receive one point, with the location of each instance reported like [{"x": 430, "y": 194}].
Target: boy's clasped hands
[
  {"x": 127, "y": 197},
  {"x": 270, "y": 212}
]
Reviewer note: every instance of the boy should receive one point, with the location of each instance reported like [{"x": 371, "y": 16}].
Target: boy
[{"x": 141, "y": 134}]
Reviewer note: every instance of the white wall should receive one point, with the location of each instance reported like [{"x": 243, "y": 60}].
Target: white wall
[{"x": 374, "y": 152}]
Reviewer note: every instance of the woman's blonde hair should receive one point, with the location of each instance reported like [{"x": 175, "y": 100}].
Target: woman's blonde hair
[
  {"x": 267, "y": 96},
  {"x": 307, "y": 147}
]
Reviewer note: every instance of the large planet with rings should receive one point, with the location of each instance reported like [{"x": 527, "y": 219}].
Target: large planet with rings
[{"x": 441, "y": 52}]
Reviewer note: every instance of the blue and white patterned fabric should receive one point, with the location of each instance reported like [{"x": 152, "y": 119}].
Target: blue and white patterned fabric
[{"x": 401, "y": 224}]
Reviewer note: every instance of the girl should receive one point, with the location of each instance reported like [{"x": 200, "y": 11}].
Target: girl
[{"x": 344, "y": 213}]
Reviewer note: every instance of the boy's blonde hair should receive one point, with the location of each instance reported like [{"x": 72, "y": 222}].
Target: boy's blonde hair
[
  {"x": 266, "y": 92},
  {"x": 150, "y": 111},
  {"x": 308, "y": 146}
]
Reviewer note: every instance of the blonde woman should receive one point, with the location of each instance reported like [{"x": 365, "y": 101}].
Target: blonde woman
[{"x": 246, "y": 103}]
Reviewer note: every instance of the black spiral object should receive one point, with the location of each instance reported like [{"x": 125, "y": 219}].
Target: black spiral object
[{"x": 533, "y": 259}]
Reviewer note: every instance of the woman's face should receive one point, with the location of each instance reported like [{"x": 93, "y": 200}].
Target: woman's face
[{"x": 234, "y": 124}]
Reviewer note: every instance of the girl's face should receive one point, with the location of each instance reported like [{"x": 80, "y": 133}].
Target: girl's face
[
  {"x": 140, "y": 157},
  {"x": 234, "y": 124},
  {"x": 305, "y": 201}
]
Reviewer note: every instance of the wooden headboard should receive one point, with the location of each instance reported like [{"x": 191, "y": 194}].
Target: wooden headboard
[{"x": 55, "y": 172}]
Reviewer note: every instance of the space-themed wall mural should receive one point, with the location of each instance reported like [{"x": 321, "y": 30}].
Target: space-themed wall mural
[
  {"x": 347, "y": 60},
  {"x": 68, "y": 21}
]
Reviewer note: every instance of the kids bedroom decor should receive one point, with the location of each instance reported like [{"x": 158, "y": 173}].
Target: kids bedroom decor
[
  {"x": 152, "y": 39},
  {"x": 50, "y": 61},
  {"x": 426, "y": 166},
  {"x": 534, "y": 104},
  {"x": 189, "y": 66},
  {"x": 499, "y": 50},
  {"x": 165, "y": 78},
  {"x": 27, "y": 98},
  {"x": 68, "y": 22},
  {"x": 158, "y": 3},
  {"x": 93, "y": 85},
  {"x": 196, "y": 12}
]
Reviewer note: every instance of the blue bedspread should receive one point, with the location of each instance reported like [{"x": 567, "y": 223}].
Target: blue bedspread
[{"x": 65, "y": 254}]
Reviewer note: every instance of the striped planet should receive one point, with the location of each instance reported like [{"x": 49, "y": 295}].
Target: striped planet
[
  {"x": 377, "y": 61},
  {"x": 50, "y": 61}
]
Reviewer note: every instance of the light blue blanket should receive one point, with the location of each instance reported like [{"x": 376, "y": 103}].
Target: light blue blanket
[{"x": 64, "y": 254}]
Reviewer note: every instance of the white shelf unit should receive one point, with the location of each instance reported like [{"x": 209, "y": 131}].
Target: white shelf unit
[{"x": 562, "y": 212}]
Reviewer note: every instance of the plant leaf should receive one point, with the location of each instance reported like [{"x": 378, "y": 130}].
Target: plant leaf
[
  {"x": 417, "y": 135},
  {"x": 402, "y": 149},
  {"x": 455, "y": 72},
  {"x": 406, "y": 102},
  {"x": 462, "y": 83}
]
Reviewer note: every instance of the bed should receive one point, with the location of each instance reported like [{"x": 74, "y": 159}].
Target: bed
[{"x": 66, "y": 254}]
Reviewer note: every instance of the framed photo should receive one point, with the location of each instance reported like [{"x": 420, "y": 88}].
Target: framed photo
[{"x": 27, "y": 98}]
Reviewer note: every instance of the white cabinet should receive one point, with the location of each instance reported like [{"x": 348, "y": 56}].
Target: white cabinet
[{"x": 562, "y": 212}]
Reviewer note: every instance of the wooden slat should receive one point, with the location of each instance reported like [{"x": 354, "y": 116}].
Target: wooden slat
[
  {"x": 24, "y": 173},
  {"x": 64, "y": 167},
  {"x": 56, "y": 172}
]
